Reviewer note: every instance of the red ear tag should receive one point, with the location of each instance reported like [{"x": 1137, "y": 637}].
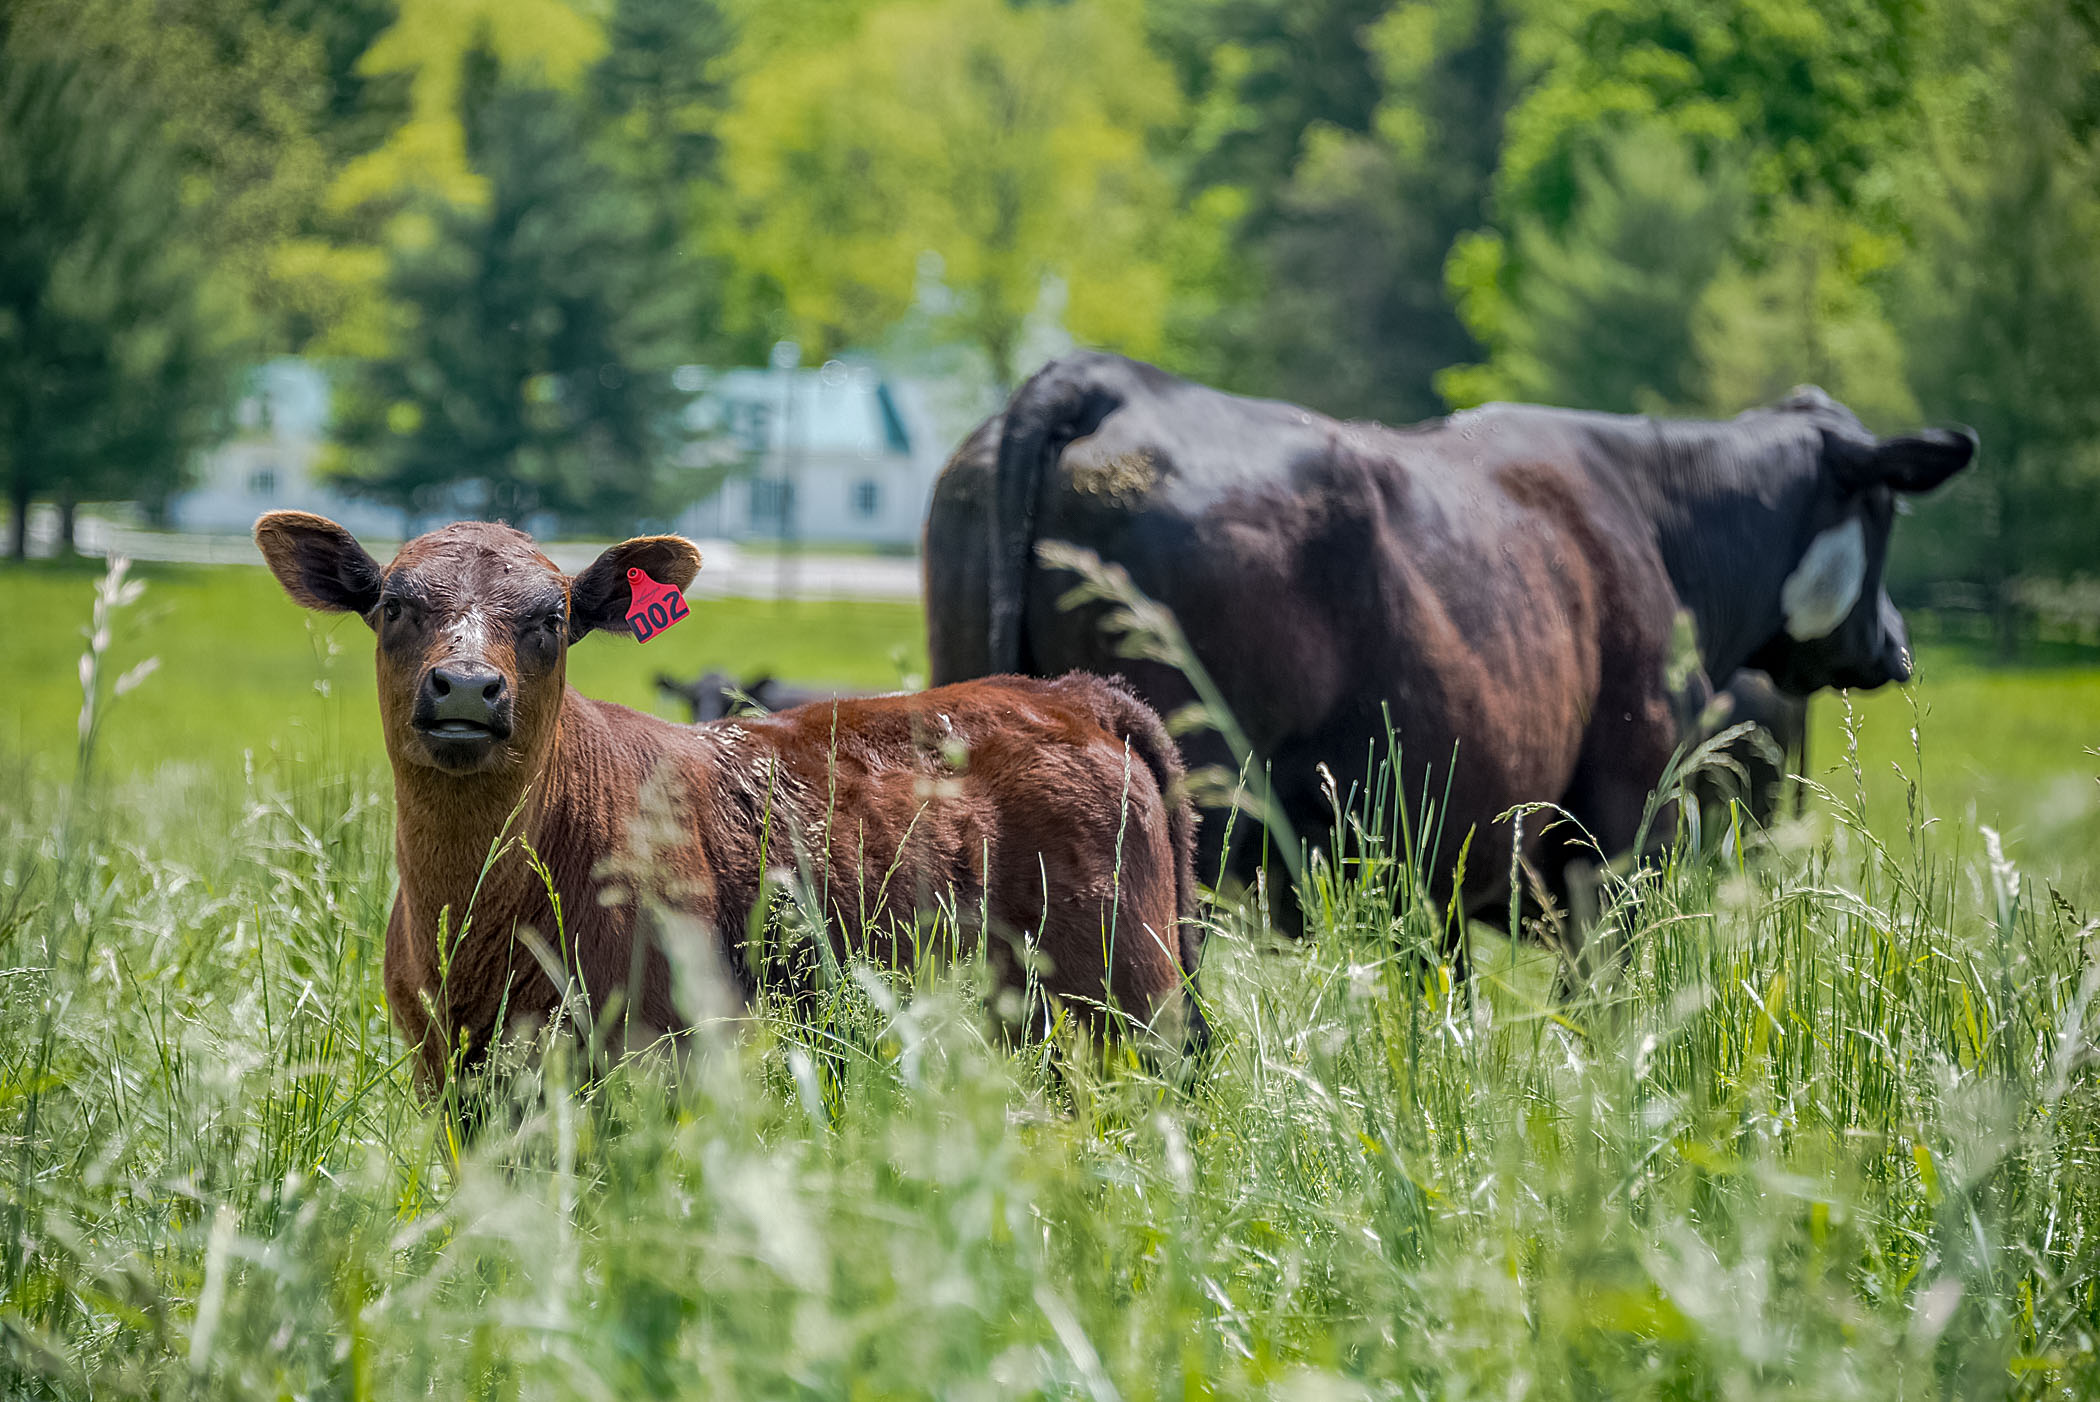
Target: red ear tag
[{"x": 655, "y": 606}]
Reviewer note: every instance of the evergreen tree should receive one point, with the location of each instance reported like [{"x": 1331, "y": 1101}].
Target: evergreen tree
[
  {"x": 356, "y": 107},
  {"x": 538, "y": 333},
  {"x": 663, "y": 84},
  {"x": 1355, "y": 139},
  {"x": 2003, "y": 306},
  {"x": 1605, "y": 316},
  {"x": 236, "y": 98},
  {"x": 114, "y": 360},
  {"x": 658, "y": 96},
  {"x": 1354, "y": 314},
  {"x": 1653, "y": 146},
  {"x": 1263, "y": 77},
  {"x": 1801, "y": 301}
]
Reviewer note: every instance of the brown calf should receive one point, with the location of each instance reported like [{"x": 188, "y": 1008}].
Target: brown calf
[{"x": 1052, "y": 808}]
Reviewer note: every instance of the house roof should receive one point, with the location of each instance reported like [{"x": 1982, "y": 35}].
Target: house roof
[
  {"x": 285, "y": 397},
  {"x": 838, "y": 408}
]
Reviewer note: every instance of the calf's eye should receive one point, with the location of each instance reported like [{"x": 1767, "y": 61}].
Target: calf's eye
[{"x": 392, "y": 609}]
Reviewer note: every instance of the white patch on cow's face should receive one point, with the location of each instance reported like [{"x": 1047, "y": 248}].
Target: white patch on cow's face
[
  {"x": 1826, "y": 584},
  {"x": 470, "y": 636}
]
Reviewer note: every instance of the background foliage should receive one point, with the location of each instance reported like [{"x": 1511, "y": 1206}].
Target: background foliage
[{"x": 1381, "y": 208}]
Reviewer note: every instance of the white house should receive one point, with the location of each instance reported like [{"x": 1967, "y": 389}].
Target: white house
[
  {"x": 839, "y": 453},
  {"x": 834, "y": 454},
  {"x": 282, "y": 425}
]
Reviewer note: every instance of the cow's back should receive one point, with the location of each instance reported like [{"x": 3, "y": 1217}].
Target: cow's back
[
  {"x": 1055, "y": 803},
  {"x": 1451, "y": 576},
  {"x": 1450, "y": 579}
]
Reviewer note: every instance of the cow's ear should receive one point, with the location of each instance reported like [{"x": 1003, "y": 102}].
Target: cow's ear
[
  {"x": 599, "y": 597},
  {"x": 320, "y": 564},
  {"x": 1918, "y": 462},
  {"x": 1910, "y": 462}
]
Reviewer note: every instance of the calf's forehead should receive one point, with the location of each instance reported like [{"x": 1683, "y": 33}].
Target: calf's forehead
[{"x": 476, "y": 560}]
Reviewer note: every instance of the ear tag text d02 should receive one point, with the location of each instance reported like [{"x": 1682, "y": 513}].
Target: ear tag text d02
[{"x": 655, "y": 606}]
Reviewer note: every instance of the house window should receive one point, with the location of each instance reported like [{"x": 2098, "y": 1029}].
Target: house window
[
  {"x": 867, "y": 498},
  {"x": 753, "y": 425},
  {"x": 772, "y": 498},
  {"x": 262, "y": 482}
]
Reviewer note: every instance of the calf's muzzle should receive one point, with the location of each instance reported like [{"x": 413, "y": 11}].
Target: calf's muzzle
[{"x": 462, "y": 710}]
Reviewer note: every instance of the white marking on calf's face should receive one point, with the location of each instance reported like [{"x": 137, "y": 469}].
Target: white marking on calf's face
[
  {"x": 1827, "y": 583},
  {"x": 470, "y": 637}
]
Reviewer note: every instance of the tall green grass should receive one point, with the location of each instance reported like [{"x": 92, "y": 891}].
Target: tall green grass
[{"x": 1828, "y": 1126}]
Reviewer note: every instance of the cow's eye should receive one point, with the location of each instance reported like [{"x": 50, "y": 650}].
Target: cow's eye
[{"x": 392, "y": 609}]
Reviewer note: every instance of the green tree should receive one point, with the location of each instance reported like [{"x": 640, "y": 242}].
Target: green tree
[
  {"x": 663, "y": 84},
  {"x": 537, "y": 331},
  {"x": 1262, "y": 77},
  {"x": 1761, "y": 133},
  {"x": 1009, "y": 141},
  {"x": 1349, "y": 141},
  {"x": 236, "y": 99},
  {"x": 1353, "y": 312},
  {"x": 114, "y": 353},
  {"x": 2003, "y": 303},
  {"x": 1810, "y": 96},
  {"x": 1603, "y": 315},
  {"x": 659, "y": 95},
  {"x": 401, "y": 141},
  {"x": 357, "y": 108},
  {"x": 1803, "y": 302}
]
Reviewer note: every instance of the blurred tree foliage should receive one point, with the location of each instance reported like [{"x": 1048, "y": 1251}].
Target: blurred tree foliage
[
  {"x": 236, "y": 98},
  {"x": 1600, "y": 314},
  {"x": 2002, "y": 306},
  {"x": 659, "y": 96},
  {"x": 538, "y": 326},
  {"x": 1360, "y": 138},
  {"x": 1378, "y": 207},
  {"x": 1007, "y": 141},
  {"x": 1699, "y": 119},
  {"x": 116, "y": 329}
]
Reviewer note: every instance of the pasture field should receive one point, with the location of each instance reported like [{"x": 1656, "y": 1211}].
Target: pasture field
[
  {"x": 243, "y": 668},
  {"x": 246, "y": 672},
  {"x": 1831, "y": 1127}
]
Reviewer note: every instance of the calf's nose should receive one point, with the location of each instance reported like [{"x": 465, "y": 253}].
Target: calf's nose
[{"x": 463, "y": 691}]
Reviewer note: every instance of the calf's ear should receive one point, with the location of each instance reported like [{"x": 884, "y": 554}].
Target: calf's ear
[
  {"x": 599, "y": 597},
  {"x": 320, "y": 564}
]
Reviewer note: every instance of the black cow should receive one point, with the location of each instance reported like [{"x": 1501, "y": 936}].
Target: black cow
[
  {"x": 713, "y": 695},
  {"x": 1504, "y": 583}
]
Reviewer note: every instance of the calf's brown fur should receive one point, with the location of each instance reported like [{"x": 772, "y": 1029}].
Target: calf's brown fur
[{"x": 1054, "y": 809}]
